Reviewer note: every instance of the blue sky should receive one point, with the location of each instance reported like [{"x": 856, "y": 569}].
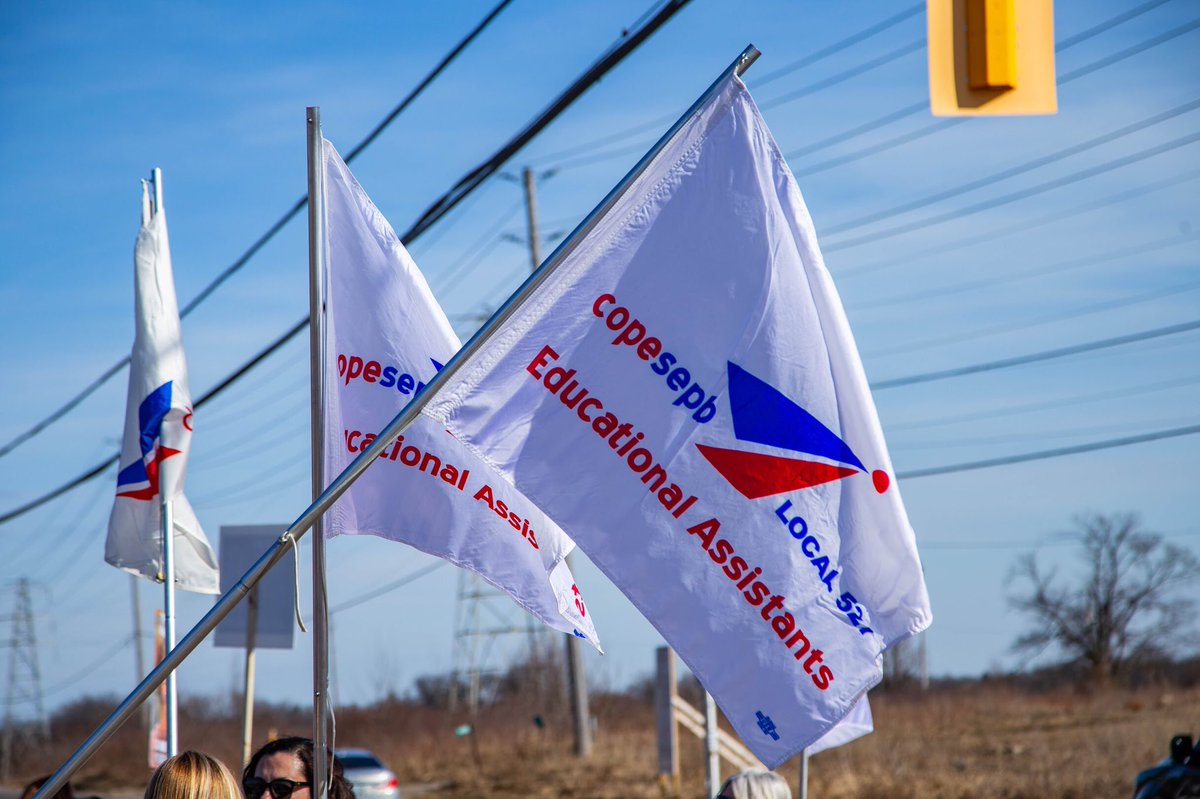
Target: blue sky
[{"x": 96, "y": 95}]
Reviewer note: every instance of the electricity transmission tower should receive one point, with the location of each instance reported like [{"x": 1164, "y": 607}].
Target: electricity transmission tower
[
  {"x": 24, "y": 683},
  {"x": 491, "y": 631}
]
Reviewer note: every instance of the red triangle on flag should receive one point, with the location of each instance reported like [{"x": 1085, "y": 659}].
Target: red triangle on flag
[{"x": 756, "y": 475}]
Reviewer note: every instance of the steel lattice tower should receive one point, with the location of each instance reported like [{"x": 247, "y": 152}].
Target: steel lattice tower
[
  {"x": 24, "y": 683},
  {"x": 491, "y": 632}
]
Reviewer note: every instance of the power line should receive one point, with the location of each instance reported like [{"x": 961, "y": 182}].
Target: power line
[
  {"x": 480, "y": 173},
  {"x": 918, "y": 107},
  {"x": 389, "y": 587},
  {"x": 90, "y": 669},
  {"x": 264, "y": 238},
  {"x": 804, "y": 91},
  {"x": 947, "y": 124},
  {"x": 1037, "y": 271},
  {"x": 1025, "y": 226},
  {"x": 1078, "y": 399},
  {"x": 843, "y": 44},
  {"x": 1008, "y": 327},
  {"x": 99, "y": 468},
  {"x": 1020, "y": 169},
  {"x": 658, "y": 123},
  {"x": 1121, "y": 55},
  {"x": 613, "y": 56},
  {"x": 1046, "y": 355},
  {"x": 1023, "y": 194},
  {"x": 1051, "y": 541},
  {"x": 841, "y": 77},
  {"x": 1050, "y": 453},
  {"x": 1108, "y": 24}
]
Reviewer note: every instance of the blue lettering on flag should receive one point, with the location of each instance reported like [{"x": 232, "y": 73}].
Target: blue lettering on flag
[{"x": 766, "y": 725}]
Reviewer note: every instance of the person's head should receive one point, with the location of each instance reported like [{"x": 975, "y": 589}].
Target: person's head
[
  {"x": 755, "y": 784},
  {"x": 192, "y": 775},
  {"x": 284, "y": 768},
  {"x": 32, "y": 788}
]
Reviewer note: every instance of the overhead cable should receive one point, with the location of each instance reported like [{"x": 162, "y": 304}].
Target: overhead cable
[
  {"x": 1045, "y": 454},
  {"x": 264, "y": 238},
  {"x": 1046, "y": 355},
  {"x": 987, "y": 205},
  {"x": 472, "y": 179},
  {"x": 602, "y": 66},
  {"x": 211, "y": 394},
  {"x": 1019, "y": 169},
  {"x": 946, "y": 124},
  {"x": 1024, "y": 226},
  {"x": 660, "y": 122}
]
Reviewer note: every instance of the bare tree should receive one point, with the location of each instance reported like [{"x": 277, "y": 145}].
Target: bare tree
[{"x": 1123, "y": 606}]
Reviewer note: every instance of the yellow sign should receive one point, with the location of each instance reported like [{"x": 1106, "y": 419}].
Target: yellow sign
[{"x": 991, "y": 57}]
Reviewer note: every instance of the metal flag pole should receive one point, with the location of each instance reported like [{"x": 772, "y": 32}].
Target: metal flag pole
[
  {"x": 229, "y": 600},
  {"x": 316, "y": 340},
  {"x": 248, "y": 693},
  {"x": 168, "y": 541}
]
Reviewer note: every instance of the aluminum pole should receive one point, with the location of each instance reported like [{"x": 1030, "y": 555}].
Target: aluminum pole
[
  {"x": 168, "y": 543},
  {"x": 712, "y": 750},
  {"x": 316, "y": 331},
  {"x": 306, "y": 520},
  {"x": 248, "y": 693},
  {"x": 168, "y": 529}
]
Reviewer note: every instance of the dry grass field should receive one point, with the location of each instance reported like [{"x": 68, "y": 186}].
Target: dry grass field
[{"x": 983, "y": 739}]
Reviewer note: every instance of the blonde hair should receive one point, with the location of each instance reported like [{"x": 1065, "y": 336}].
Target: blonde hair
[
  {"x": 192, "y": 775},
  {"x": 756, "y": 784}
]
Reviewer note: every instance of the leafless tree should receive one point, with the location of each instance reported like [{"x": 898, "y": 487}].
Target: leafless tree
[{"x": 1125, "y": 604}]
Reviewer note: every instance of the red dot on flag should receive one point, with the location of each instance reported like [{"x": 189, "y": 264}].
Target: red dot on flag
[{"x": 881, "y": 480}]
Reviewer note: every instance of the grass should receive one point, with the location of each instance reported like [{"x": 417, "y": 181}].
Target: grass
[{"x": 985, "y": 739}]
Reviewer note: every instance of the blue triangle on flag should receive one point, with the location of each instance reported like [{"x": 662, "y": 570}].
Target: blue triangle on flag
[{"x": 764, "y": 415}]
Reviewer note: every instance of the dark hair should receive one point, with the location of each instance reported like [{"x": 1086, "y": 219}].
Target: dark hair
[
  {"x": 32, "y": 788},
  {"x": 303, "y": 749}
]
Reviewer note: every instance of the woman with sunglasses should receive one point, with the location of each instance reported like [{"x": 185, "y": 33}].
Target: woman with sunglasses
[
  {"x": 283, "y": 769},
  {"x": 192, "y": 775}
]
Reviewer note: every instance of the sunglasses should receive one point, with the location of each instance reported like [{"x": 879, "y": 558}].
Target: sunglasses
[{"x": 255, "y": 787}]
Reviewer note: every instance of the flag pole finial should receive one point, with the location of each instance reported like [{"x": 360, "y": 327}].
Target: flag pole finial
[{"x": 746, "y": 59}]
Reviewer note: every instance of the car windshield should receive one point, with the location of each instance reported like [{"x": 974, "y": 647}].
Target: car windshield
[{"x": 359, "y": 761}]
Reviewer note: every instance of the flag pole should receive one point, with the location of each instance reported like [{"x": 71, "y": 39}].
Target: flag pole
[
  {"x": 316, "y": 338},
  {"x": 229, "y": 600},
  {"x": 168, "y": 540}
]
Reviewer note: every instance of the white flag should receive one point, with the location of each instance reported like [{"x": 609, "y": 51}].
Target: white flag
[
  {"x": 386, "y": 336},
  {"x": 854, "y": 725},
  {"x": 684, "y": 397},
  {"x": 158, "y": 429}
]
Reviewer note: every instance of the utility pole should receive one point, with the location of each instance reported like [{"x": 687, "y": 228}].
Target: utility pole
[{"x": 576, "y": 676}]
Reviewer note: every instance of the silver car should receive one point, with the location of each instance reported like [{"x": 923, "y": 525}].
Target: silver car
[{"x": 370, "y": 778}]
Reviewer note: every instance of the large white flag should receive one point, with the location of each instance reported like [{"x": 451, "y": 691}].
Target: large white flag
[
  {"x": 158, "y": 429},
  {"x": 854, "y": 725},
  {"x": 684, "y": 397},
  {"x": 386, "y": 336}
]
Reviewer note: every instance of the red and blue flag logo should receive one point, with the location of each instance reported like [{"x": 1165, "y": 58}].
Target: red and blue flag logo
[
  {"x": 762, "y": 414},
  {"x": 140, "y": 479}
]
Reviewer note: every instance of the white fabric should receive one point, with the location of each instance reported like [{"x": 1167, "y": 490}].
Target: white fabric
[
  {"x": 385, "y": 331},
  {"x": 854, "y": 725},
  {"x": 705, "y": 272},
  {"x": 158, "y": 431}
]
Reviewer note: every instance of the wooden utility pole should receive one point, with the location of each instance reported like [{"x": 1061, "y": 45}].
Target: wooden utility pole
[{"x": 576, "y": 676}]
